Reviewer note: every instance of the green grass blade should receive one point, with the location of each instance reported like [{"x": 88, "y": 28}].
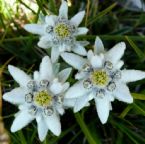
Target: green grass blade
[
  {"x": 111, "y": 37},
  {"x": 101, "y": 14},
  {"x": 138, "y": 108},
  {"x": 140, "y": 54},
  {"x": 22, "y": 137},
  {"x": 138, "y": 96},
  {"x": 53, "y": 6},
  {"x": 131, "y": 135},
  {"x": 125, "y": 111},
  {"x": 27, "y": 6},
  {"x": 84, "y": 128}
]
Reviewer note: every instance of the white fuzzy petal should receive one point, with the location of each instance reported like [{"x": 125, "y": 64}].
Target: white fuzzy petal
[
  {"x": 42, "y": 128},
  {"x": 82, "y": 31},
  {"x": 77, "y": 19},
  {"x": 45, "y": 41},
  {"x": 65, "y": 86},
  {"x": 53, "y": 123},
  {"x": 16, "y": 96},
  {"x": 98, "y": 47},
  {"x": 115, "y": 54},
  {"x": 76, "y": 90},
  {"x": 119, "y": 64},
  {"x": 96, "y": 61},
  {"x": 63, "y": 10},
  {"x": 122, "y": 93},
  {"x": 35, "y": 28},
  {"x": 55, "y": 54},
  {"x": 36, "y": 76},
  {"x": 110, "y": 106},
  {"x": 90, "y": 54},
  {"x": 80, "y": 75},
  {"x": 83, "y": 43},
  {"x": 56, "y": 88},
  {"x": 103, "y": 108},
  {"x": 22, "y": 119},
  {"x": 63, "y": 47},
  {"x": 23, "y": 106},
  {"x": 132, "y": 75},
  {"x": 44, "y": 44},
  {"x": 64, "y": 74},
  {"x": 46, "y": 71},
  {"x": 81, "y": 102},
  {"x": 79, "y": 49},
  {"x": 50, "y": 20},
  {"x": 74, "y": 60},
  {"x": 59, "y": 109},
  {"x": 69, "y": 102},
  {"x": 56, "y": 67},
  {"x": 110, "y": 96},
  {"x": 19, "y": 76}
]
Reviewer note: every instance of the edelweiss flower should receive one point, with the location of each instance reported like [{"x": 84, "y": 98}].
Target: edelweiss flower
[
  {"x": 60, "y": 33},
  {"x": 40, "y": 97},
  {"x": 100, "y": 78}
]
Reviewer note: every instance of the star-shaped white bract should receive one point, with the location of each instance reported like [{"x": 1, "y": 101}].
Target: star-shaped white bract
[
  {"x": 59, "y": 33},
  {"x": 40, "y": 97},
  {"x": 100, "y": 78}
]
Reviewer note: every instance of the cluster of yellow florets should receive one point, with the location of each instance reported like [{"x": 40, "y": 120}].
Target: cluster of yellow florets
[
  {"x": 43, "y": 98},
  {"x": 99, "y": 78},
  {"x": 62, "y": 30}
]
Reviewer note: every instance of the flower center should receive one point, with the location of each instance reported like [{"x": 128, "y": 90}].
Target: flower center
[
  {"x": 62, "y": 30},
  {"x": 99, "y": 78},
  {"x": 43, "y": 98}
]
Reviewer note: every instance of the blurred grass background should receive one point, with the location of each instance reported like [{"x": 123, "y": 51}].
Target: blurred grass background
[{"x": 106, "y": 18}]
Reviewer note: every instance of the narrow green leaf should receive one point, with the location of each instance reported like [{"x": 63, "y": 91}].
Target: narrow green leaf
[
  {"x": 53, "y": 6},
  {"x": 136, "y": 49},
  {"x": 41, "y": 6},
  {"x": 142, "y": 111},
  {"x": 134, "y": 137},
  {"x": 23, "y": 3},
  {"x": 84, "y": 129},
  {"x": 138, "y": 96},
  {"x": 125, "y": 111},
  {"x": 119, "y": 139},
  {"x": 74, "y": 137},
  {"x": 101, "y": 14},
  {"x": 109, "y": 37},
  {"x": 21, "y": 137}
]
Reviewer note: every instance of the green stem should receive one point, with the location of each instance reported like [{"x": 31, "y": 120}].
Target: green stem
[
  {"x": 84, "y": 129},
  {"x": 112, "y": 37}
]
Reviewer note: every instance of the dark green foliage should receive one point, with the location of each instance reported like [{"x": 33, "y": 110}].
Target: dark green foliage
[{"x": 126, "y": 123}]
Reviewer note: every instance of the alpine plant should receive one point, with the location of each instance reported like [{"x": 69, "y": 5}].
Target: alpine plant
[
  {"x": 59, "y": 33},
  {"x": 101, "y": 78},
  {"x": 40, "y": 97}
]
